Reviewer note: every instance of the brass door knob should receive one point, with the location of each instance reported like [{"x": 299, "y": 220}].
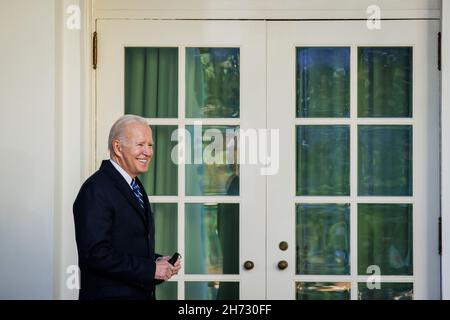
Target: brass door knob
[
  {"x": 248, "y": 265},
  {"x": 283, "y": 245},
  {"x": 282, "y": 264}
]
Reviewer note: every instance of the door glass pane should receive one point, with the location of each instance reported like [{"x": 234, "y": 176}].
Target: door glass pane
[
  {"x": 166, "y": 222},
  {"x": 151, "y": 82},
  {"x": 323, "y": 160},
  {"x": 213, "y": 290},
  {"x": 323, "y": 82},
  {"x": 388, "y": 291},
  {"x": 384, "y": 160},
  {"x": 217, "y": 168},
  {"x": 323, "y": 290},
  {"x": 212, "y": 238},
  {"x": 167, "y": 291},
  {"x": 385, "y": 82},
  {"x": 323, "y": 238},
  {"x": 161, "y": 179},
  {"x": 385, "y": 238},
  {"x": 212, "y": 82}
]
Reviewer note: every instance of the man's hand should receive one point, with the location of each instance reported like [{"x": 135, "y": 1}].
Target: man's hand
[{"x": 164, "y": 270}]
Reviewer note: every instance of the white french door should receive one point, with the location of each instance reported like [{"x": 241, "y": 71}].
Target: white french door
[
  {"x": 357, "y": 111},
  {"x": 194, "y": 76},
  {"x": 357, "y": 115}
]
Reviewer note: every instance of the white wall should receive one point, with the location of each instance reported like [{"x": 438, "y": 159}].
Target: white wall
[{"x": 27, "y": 131}]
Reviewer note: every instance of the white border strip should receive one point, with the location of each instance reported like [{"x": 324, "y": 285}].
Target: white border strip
[
  {"x": 262, "y": 14},
  {"x": 445, "y": 147}
]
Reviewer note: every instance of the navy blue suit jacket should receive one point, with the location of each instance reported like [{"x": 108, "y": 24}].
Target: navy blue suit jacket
[{"x": 115, "y": 238}]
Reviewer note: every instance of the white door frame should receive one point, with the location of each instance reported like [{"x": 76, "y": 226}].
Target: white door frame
[{"x": 445, "y": 150}]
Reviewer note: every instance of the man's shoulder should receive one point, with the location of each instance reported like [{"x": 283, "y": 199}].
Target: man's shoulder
[
  {"x": 100, "y": 178},
  {"x": 96, "y": 189},
  {"x": 97, "y": 186}
]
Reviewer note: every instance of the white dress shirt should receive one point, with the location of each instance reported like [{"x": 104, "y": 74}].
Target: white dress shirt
[{"x": 124, "y": 174}]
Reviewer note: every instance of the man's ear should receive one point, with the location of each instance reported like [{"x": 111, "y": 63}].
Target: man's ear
[{"x": 117, "y": 148}]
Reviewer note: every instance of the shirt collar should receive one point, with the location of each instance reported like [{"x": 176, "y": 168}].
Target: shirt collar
[{"x": 124, "y": 174}]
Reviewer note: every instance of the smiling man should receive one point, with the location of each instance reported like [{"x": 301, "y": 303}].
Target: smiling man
[{"x": 114, "y": 225}]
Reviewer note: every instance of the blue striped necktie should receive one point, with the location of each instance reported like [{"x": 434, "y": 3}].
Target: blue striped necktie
[{"x": 137, "y": 193}]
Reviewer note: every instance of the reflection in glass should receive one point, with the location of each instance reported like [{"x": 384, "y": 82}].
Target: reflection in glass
[
  {"x": 212, "y": 238},
  {"x": 388, "y": 291},
  {"x": 323, "y": 239},
  {"x": 385, "y": 82},
  {"x": 323, "y": 160},
  {"x": 214, "y": 169},
  {"x": 161, "y": 179},
  {"x": 323, "y": 82},
  {"x": 213, "y": 290},
  {"x": 167, "y": 290},
  {"x": 385, "y": 238},
  {"x": 384, "y": 160},
  {"x": 322, "y": 290},
  {"x": 151, "y": 82},
  {"x": 212, "y": 82},
  {"x": 166, "y": 222}
]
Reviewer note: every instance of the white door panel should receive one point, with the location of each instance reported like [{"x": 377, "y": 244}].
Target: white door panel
[
  {"x": 114, "y": 36},
  {"x": 283, "y": 39}
]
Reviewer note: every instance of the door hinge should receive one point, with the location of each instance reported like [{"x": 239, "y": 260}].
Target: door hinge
[
  {"x": 439, "y": 51},
  {"x": 440, "y": 235},
  {"x": 94, "y": 51}
]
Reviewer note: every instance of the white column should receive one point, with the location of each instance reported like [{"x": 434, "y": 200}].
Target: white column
[{"x": 71, "y": 29}]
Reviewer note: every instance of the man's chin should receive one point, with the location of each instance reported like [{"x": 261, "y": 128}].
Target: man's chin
[{"x": 143, "y": 169}]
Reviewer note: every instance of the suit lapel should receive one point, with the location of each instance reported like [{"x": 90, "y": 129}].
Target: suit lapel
[{"x": 121, "y": 185}]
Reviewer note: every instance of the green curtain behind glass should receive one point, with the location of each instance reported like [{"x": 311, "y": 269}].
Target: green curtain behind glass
[
  {"x": 388, "y": 291},
  {"x": 323, "y": 238},
  {"x": 161, "y": 179},
  {"x": 385, "y": 82},
  {"x": 212, "y": 179},
  {"x": 212, "y": 82},
  {"x": 203, "y": 290},
  {"x": 323, "y": 290},
  {"x": 151, "y": 91},
  {"x": 385, "y": 160},
  {"x": 195, "y": 239},
  {"x": 212, "y": 238},
  {"x": 323, "y": 160},
  {"x": 166, "y": 242},
  {"x": 165, "y": 216},
  {"x": 151, "y": 82},
  {"x": 323, "y": 82},
  {"x": 385, "y": 234}
]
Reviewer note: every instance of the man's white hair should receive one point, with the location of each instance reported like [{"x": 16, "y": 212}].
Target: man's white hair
[{"x": 118, "y": 128}]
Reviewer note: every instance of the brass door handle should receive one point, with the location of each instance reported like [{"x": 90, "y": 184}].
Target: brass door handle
[
  {"x": 248, "y": 265},
  {"x": 283, "y": 245},
  {"x": 282, "y": 264}
]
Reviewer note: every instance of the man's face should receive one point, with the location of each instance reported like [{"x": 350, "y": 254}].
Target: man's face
[{"x": 135, "y": 150}]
